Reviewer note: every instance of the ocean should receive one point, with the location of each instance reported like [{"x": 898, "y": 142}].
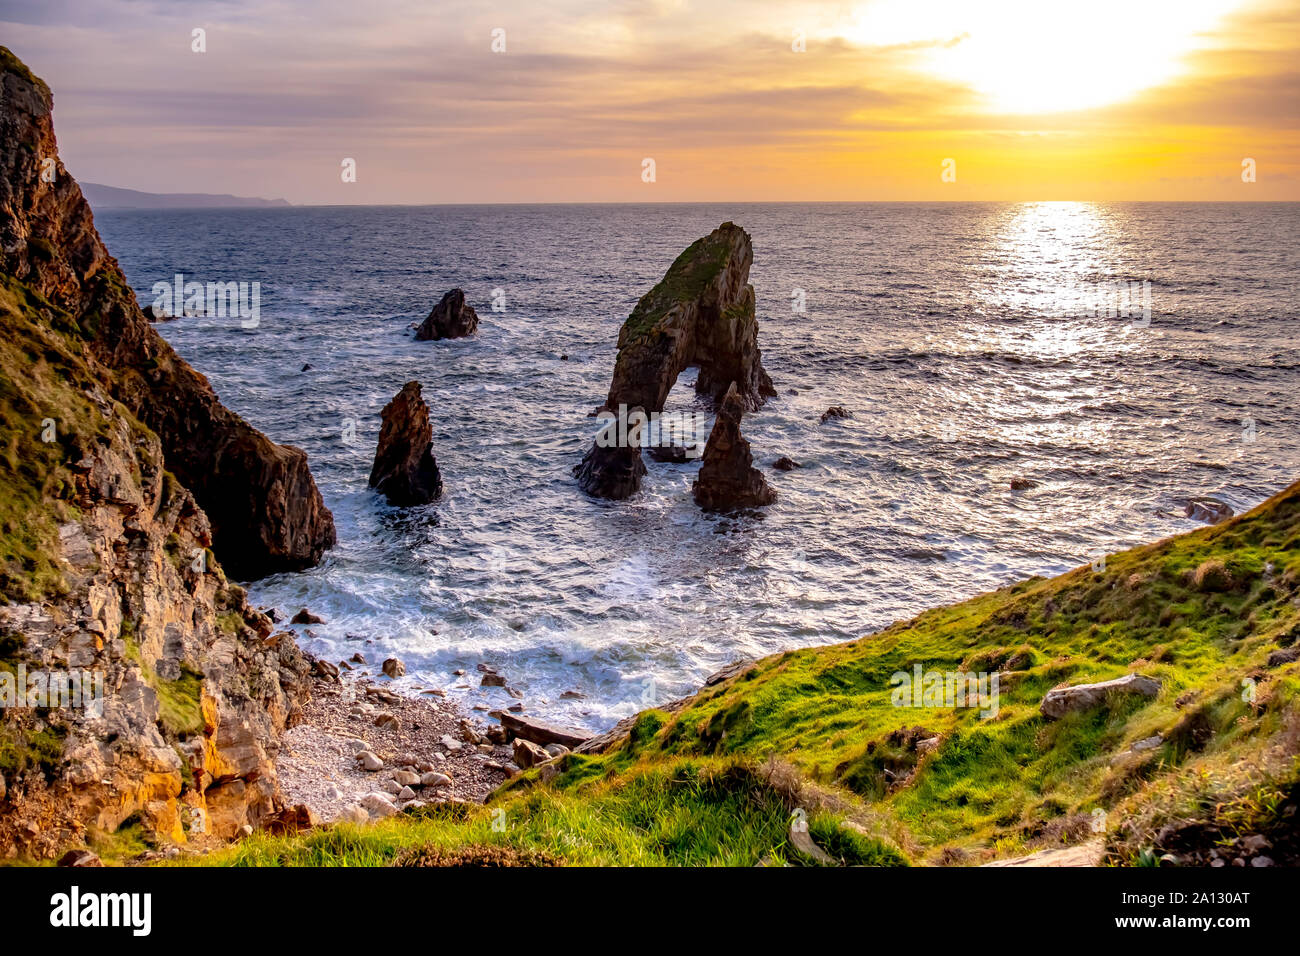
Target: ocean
[{"x": 955, "y": 335}]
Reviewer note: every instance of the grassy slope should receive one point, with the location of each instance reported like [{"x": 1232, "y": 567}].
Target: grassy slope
[{"x": 1200, "y": 612}]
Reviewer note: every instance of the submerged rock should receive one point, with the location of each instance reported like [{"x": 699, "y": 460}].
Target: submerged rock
[
  {"x": 701, "y": 314},
  {"x": 405, "y": 471},
  {"x": 451, "y": 318},
  {"x": 728, "y": 479},
  {"x": 835, "y": 411},
  {"x": 1209, "y": 510},
  {"x": 786, "y": 463}
]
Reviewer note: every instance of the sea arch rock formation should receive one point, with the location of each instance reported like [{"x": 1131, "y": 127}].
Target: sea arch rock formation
[{"x": 700, "y": 315}]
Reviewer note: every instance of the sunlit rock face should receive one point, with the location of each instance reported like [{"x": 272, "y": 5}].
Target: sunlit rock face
[{"x": 701, "y": 314}]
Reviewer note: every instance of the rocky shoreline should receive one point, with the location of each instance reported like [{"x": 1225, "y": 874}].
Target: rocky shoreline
[{"x": 363, "y": 752}]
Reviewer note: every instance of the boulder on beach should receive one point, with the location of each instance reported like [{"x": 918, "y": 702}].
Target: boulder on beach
[
  {"x": 728, "y": 479},
  {"x": 701, "y": 314},
  {"x": 405, "y": 471},
  {"x": 451, "y": 318}
]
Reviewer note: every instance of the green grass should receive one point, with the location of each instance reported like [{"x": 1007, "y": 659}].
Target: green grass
[
  {"x": 42, "y": 396},
  {"x": 180, "y": 709},
  {"x": 681, "y": 813},
  {"x": 686, "y": 279},
  {"x": 1200, "y": 613}
]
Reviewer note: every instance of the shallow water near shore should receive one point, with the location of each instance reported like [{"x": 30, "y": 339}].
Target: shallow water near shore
[{"x": 938, "y": 326}]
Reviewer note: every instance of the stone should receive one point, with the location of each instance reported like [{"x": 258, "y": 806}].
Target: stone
[
  {"x": 369, "y": 761},
  {"x": 1023, "y": 484},
  {"x": 305, "y": 616},
  {"x": 450, "y": 742},
  {"x": 358, "y": 658},
  {"x": 728, "y": 480},
  {"x": 394, "y": 668},
  {"x": 1148, "y": 743},
  {"x": 528, "y": 754},
  {"x": 1282, "y": 657},
  {"x": 451, "y": 318},
  {"x": 1209, "y": 510},
  {"x": 1062, "y": 700},
  {"x": 325, "y": 669},
  {"x": 834, "y": 412},
  {"x": 405, "y": 471},
  {"x": 492, "y": 680},
  {"x": 406, "y": 778},
  {"x": 405, "y": 794},
  {"x": 435, "y": 779},
  {"x": 556, "y": 750},
  {"x": 293, "y": 819},
  {"x": 701, "y": 314},
  {"x": 785, "y": 463},
  {"x": 539, "y": 731},
  {"x": 79, "y": 857},
  {"x": 354, "y": 813},
  {"x": 469, "y": 734},
  {"x": 378, "y": 805}
]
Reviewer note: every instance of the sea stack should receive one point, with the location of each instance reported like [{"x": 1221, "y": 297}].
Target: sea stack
[
  {"x": 405, "y": 471},
  {"x": 701, "y": 314},
  {"x": 728, "y": 480},
  {"x": 451, "y": 318}
]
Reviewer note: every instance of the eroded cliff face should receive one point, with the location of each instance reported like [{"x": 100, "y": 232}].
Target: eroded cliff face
[
  {"x": 120, "y": 474},
  {"x": 266, "y": 512},
  {"x": 701, "y": 314}
]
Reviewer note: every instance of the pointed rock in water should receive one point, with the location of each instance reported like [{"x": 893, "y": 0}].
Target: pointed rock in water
[
  {"x": 451, "y": 318},
  {"x": 700, "y": 314},
  {"x": 405, "y": 471},
  {"x": 728, "y": 479}
]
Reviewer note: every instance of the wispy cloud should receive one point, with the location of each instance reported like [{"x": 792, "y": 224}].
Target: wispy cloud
[{"x": 715, "y": 92}]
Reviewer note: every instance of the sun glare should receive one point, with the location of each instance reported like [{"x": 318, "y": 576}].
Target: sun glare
[{"x": 1029, "y": 56}]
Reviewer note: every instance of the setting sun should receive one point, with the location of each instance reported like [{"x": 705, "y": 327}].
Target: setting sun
[{"x": 1023, "y": 56}]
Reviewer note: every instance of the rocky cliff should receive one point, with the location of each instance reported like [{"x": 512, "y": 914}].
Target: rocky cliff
[
  {"x": 120, "y": 475},
  {"x": 701, "y": 315},
  {"x": 265, "y": 510}
]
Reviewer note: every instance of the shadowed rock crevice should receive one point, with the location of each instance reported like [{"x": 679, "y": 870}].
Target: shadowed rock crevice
[
  {"x": 405, "y": 471},
  {"x": 701, "y": 314},
  {"x": 451, "y": 318},
  {"x": 728, "y": 480}
]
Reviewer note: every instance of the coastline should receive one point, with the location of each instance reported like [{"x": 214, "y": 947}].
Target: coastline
[{"x": 318, "y": 765}]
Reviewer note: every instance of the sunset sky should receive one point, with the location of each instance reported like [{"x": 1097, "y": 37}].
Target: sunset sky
[{"x": 1033, "y": 100}]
